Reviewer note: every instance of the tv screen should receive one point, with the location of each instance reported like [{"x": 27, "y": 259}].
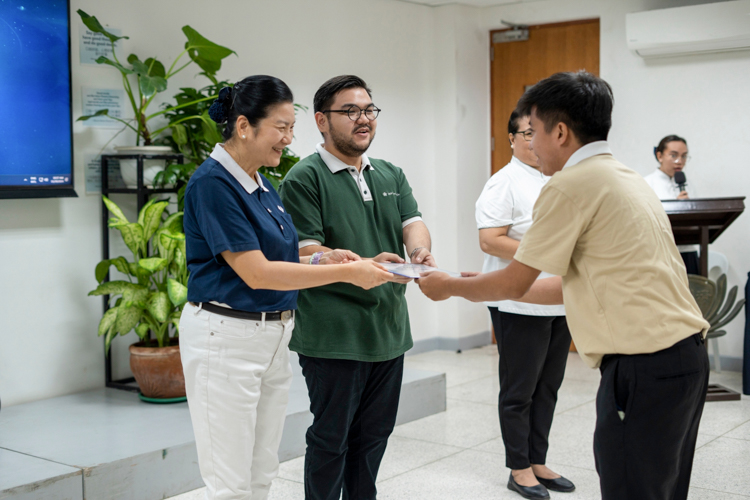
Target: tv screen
[{"x": 36, "y": 159}]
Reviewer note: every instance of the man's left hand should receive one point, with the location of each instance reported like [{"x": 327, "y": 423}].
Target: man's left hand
[
  {"x": 423, "y": 256},
  {"x": 435, "y": 285}
]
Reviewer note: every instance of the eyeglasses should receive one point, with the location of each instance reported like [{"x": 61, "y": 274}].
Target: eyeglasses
[
  {"x": 354, "y": 112},
  {"x": 527, "y": 134},
  {"x": 675, "y": 157}
]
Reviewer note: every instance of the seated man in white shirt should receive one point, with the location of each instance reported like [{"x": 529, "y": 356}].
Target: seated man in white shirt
[
  {"x": 672, "y": 155},
  {"x": 533, "y": 340}
]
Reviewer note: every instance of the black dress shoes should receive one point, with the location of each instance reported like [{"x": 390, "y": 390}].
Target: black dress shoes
[
  {"x": 538, "y": 492},
  {"x": 558, "y": 484}
]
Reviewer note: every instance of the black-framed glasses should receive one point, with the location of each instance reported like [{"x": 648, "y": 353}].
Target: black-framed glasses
[
  {"x": 354, "y": 112},
  {"x": 527, "y": 134}
]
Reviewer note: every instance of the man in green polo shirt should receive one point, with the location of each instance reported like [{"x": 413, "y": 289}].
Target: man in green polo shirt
[{"x": 351, "y": 342}]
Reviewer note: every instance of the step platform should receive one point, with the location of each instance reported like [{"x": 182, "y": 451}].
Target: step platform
[{"x": 108, "y": 444}]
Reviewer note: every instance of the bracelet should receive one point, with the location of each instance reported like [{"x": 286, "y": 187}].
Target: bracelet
[
  {"x": 315, "y": 258},
  {"x": 411, "y": 255}
]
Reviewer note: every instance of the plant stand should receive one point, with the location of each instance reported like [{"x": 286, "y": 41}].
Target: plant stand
[{"x": 142, "y": 193}]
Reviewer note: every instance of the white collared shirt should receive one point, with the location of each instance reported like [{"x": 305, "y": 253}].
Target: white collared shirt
[
  {"x": 335, "y": 165},
  {"x": 667, "y": 189},
  {"x": 225, "y": 159},
  {"x": 508, "y": 200},
  {"x": 587, "y": 151}
]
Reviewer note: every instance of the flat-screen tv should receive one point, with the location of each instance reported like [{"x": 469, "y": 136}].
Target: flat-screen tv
[{"x": 36, "y": 141}]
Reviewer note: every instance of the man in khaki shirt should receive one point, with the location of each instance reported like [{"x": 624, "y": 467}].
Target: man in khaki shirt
[{"x": 624, "y": 286}]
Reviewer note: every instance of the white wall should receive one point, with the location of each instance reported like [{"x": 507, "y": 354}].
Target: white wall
[{"x": 702, "y": 98}]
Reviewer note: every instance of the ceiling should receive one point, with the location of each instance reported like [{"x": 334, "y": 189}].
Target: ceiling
[{"x": 475, "y": 3}]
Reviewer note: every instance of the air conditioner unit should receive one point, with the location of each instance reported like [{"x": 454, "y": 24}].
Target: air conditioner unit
[{"x": 714, "y": 27}]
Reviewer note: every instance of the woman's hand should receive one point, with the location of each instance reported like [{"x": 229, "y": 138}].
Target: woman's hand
[
  {"x": 339, "y": 256},
  {"x": 368, "y": 274}
]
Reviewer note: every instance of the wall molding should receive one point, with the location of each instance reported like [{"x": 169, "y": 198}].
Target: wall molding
[{"x": 480, "y": 339}]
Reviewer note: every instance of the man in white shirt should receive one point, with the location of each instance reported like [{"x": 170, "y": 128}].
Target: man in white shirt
[
  {"x": 532, "y": 340},
  {"x": 672, "y": 155}
]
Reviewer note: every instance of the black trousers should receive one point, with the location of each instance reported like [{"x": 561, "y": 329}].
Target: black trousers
[
  {"x": 533, "y": 353},
  {"x": 354, "y": 405},
  {"x": 692, "y": 262},
  {"x": 648, "y": 455}
]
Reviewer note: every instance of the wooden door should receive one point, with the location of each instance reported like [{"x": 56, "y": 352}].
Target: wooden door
[{"x": 551, "y": 48}]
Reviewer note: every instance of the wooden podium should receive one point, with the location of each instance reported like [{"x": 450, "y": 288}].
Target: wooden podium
[{"x": 702, "y": 221}]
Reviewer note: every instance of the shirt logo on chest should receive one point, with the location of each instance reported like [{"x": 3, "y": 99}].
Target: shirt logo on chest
[{"x": 391, "y": 194}]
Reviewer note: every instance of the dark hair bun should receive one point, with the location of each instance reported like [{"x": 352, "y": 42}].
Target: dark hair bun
[{"x": 219, "y": 110}]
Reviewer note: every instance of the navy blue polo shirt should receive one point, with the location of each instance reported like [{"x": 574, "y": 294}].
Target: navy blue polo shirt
[{"x": 227, "y": 210}]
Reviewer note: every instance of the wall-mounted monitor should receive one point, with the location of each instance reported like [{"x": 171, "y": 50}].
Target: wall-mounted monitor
[{"x": 36, "y": 141}]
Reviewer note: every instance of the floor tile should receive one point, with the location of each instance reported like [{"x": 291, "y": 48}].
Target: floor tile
[
  {"x": 293, "y": 470},
  {"x": 404, "y": 454},
  {"x": 571, "y": 441},
  {"x": 484, "y": 390},
  {"x": 454, "y": 374},
  {"x": 723, "y": 465},
  {"x": 741, "y": 432},
  {"x": 703, "y": 494},
  {"x": 281, "y": 489},
  {"x": 720, "y": 417},
  {"x": 463, "y": 424},
  {"x": 574, "y": 393}
]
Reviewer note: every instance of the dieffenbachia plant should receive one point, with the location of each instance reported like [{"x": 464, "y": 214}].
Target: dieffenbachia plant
[{"x": 154, "y": 292}]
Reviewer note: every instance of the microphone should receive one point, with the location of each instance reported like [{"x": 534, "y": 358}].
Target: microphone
[{"x": 680, "y": 179}]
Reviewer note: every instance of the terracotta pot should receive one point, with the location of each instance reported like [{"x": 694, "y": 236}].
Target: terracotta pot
[{"x": 158, "y": 370}]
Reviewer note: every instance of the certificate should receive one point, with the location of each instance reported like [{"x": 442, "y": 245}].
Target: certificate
[{"x": 413, "y": 270}]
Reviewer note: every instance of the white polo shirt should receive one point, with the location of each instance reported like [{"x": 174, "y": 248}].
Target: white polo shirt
[
  {"x": 667, "y": 189},
  {"x": 508, "y": 200}
]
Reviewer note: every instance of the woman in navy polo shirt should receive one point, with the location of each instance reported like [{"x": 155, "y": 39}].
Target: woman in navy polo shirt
[{"x": 245, "y": 270}]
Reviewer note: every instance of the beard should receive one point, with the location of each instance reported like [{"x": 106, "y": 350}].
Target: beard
[{"x": 344, "y": 142}]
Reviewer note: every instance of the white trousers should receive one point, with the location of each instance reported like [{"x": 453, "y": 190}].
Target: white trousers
[{"x": 237, "y": 376}]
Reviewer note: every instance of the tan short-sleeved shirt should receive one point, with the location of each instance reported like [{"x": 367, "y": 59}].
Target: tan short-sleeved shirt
[{"x": 599, "y": 226}]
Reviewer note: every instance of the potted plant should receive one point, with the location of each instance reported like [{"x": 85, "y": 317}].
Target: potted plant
[
  {"x": 150, "y": 299},
  {"x": 142, "y": 81}
]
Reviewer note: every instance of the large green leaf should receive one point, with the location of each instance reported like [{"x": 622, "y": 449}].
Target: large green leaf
[
  {"x": 106, "y": 60},
  {"x": 122, "y": 265},
  {"x": 179, "y": 260},
  {"x": 174, "y": 223},
  {"x": 94, "y": 25},
  {"x": 204, "y": 52},
  {"x": 136, "y": 295},
  {"x": 152, "y": 218},
  {"x": 132, "y": 235},
  {"x": 114, "y": 209},
  {"x": 210, "y": 132},
  {"x": 113, "y": 287},
  {"x": 128, "y": 315},
  {"x": 101, "y": 270},
  {"x": 153, "y": 264},
  {"x": 159, "y": 306},
  {"x": 101, "y": 112},
  {"x": 108, "y": 321},
  {"x": 142, "y": 330},
  {"x": 151, "y": 85},
  {"x": 179, "y": 134},
  {"x": 108, "y": 339},
  {"x": 155, "y": 68},
  {"x": 177, "y": 292}
]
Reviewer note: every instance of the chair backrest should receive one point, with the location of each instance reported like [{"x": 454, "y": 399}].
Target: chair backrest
[{"x": 703, "y": 290}]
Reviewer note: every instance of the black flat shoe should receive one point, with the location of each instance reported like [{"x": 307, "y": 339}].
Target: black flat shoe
[
  {"x": 557, "y": 484},
  {"x": 537, "y": 492}
]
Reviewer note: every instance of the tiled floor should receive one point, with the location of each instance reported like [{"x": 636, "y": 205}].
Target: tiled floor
[{"x": 459, "y": 454}]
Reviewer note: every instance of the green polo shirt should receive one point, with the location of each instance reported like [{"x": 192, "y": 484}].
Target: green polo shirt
[{"x": 343, "y": 321}]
